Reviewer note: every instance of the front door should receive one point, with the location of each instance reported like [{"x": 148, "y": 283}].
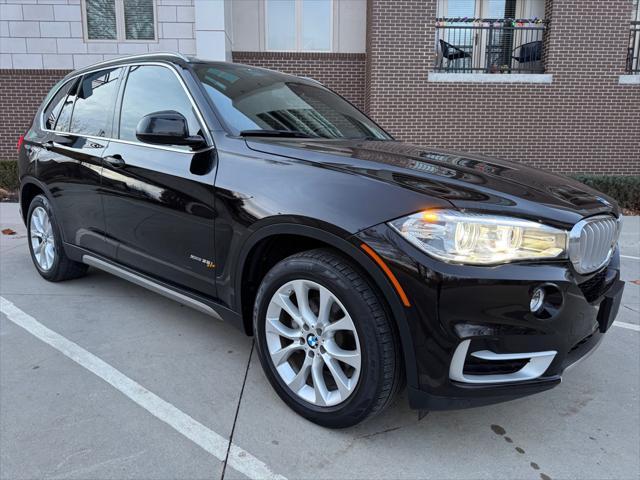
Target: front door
[{"x": 159, "y": 200}]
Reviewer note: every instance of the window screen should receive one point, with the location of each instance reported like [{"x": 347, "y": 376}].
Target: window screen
[
  {"x": 138, "y": 20},
  {"x": 101, "y": 20},
  {"x": 120, "y": 19},
  {"x": 96, "y": 96},
  {"x": 151, "y": 89},
  {"x": 52, "y": 112}
]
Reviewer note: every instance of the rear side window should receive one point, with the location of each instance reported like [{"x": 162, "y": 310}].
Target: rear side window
[
  {"x": 62, "y": 124},
  {"x": 95, "y": 100},
  {"x": 52, "y": 112},
  {"x": 150, "y": 89}
]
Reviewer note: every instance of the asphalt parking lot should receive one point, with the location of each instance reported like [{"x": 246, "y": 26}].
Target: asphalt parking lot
[{"x": 101, "y": 379}]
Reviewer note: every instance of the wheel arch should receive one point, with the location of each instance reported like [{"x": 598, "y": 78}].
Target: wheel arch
[
  {"x": 29, "y": 188},
  {"x": 314, "y": 237}
]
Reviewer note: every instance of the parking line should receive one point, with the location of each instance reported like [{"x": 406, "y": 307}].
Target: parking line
[
  {"x": 628, "y": 326},
  {"x": 629, "y": 256},
  {"x": 205, "y": 438}
]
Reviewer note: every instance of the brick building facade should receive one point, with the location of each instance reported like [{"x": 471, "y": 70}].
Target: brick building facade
[
  {"x": 577, "y": 110},
  {"x": 585, "y": 120}
]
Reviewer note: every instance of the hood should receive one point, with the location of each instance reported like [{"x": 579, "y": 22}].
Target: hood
[{"x": 466, "y": 181}]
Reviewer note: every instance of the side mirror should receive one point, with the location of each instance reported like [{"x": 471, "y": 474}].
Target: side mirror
[{"x": 166, "y": 128}]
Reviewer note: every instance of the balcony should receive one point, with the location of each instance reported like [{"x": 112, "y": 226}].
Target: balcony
[
  {"x": 500, "y": 46},
  {"x": 633, "y": 56}
]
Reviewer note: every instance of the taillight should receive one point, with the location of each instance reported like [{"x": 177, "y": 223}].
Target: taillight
[{"x": 20, "y": 142}]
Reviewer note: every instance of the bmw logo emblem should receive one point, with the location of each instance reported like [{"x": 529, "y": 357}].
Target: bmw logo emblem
[{"x": 312, "y": 341}]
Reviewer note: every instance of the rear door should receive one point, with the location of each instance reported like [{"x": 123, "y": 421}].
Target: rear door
[
  {"x": 78, "y": 123},
  {"x": 159, "y": 200}
]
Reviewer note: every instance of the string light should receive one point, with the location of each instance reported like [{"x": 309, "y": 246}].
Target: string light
[{"x": 513, "y": 22}]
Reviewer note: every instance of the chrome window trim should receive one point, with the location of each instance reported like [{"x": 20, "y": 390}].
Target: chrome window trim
[{"x": 200, "y": 117}]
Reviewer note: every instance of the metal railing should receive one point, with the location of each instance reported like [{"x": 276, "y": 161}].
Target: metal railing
[
  {"x": 490, "y": 45},
  {"x": 633, "y": 57}
]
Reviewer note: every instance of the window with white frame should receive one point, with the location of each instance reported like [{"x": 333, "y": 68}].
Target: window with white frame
[
  {"x": 299, "y": 25},
  {"x": 119, "y": 20}
]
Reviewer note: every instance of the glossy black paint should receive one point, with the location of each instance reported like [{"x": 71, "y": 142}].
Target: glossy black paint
[
  {"x": 193, "y": 218},
  {"x": 490, "y": 306}
]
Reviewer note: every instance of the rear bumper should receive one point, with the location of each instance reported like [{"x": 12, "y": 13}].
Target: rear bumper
[{"x": 476, "y": 342}]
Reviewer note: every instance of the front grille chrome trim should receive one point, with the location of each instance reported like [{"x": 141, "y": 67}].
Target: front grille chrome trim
[
  {"x": 592, "y": 241},
  {"x": 535, "y": 367}
]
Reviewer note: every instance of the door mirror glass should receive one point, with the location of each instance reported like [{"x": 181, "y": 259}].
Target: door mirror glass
[{"x": 166, "y": 128}]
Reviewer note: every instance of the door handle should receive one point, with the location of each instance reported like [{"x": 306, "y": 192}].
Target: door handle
[{"x": 115, "y": 161}]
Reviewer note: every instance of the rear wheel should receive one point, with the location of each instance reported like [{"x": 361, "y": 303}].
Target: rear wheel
[
  {"x": 45, "y": 244},
  {"x": 324, "y": 339}
]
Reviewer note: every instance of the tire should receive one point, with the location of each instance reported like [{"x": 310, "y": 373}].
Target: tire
[
  {"x": 45, "y": 238},
  {"x": 368, "y": 386}
]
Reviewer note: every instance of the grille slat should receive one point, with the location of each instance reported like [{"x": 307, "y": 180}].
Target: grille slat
[{"x": 592, "y": 241}]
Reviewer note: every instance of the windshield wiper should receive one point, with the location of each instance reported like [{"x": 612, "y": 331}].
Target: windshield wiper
[
  {"x": 370, "y": 139},
  {"x": 276, "y": 133}
]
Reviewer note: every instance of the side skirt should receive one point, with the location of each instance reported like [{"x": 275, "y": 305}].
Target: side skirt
[
  {"x": 149, "y": 285},
  {"x": 177, "y": 294}
]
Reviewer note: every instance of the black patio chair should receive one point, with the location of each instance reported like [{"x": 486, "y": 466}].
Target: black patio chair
[
  {"x": 529, "y": 52},
  {"x": 452, "y": 53}
]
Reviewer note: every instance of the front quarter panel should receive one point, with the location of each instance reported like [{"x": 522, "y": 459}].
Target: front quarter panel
[{"x": 256, "y": 189}]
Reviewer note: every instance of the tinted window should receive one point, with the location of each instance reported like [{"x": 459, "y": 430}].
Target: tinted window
[
  {"x": 67, "y": 108},
  {"x": 54, "y": 108},
  {"x": 150, "y": 89},
  {"x": 251, "y": 98},
  {"x": 96, "y": 96}
]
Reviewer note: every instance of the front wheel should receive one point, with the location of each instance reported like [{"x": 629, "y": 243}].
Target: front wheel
[{"x": 325, "y": 340}]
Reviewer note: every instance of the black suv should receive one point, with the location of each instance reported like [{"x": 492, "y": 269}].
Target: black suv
[{"x": 358, "y": 262}]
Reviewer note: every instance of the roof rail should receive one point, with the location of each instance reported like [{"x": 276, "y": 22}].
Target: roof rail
[{"x": 134, "y": 57}]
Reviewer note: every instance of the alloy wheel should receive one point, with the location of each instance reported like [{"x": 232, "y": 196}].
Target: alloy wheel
[
  {"x": 42, "y": 239},
  {"x": 313, "y": 343}
]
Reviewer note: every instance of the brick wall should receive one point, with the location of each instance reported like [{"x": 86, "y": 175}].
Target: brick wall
[
  {"x": 342, "y": 72},
  {"x": 21, "y": 93},
  {"x": 584, "y": 121}
]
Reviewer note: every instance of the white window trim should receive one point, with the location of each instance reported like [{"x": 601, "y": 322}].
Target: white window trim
[
  {"x": 120, "y": 29},
  {"x": 298, "y": 13},
  {"x": 441, "y": 77}
]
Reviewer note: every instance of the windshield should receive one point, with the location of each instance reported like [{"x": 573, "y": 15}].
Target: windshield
[{"x": 251, "y": 99}]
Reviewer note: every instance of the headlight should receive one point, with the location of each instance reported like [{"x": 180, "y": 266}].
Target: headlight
[{"x": 478, "y": 239}]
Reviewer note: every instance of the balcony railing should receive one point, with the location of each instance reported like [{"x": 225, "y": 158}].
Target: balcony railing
[
  {"x": 490, "y": 45},
  {"x": 633, "y": 57}
]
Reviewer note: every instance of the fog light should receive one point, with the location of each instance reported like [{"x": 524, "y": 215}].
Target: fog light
[{"x": 537, "y": 300}]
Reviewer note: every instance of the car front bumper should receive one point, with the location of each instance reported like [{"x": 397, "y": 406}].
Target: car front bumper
[{"x": 473, "y": 336}]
